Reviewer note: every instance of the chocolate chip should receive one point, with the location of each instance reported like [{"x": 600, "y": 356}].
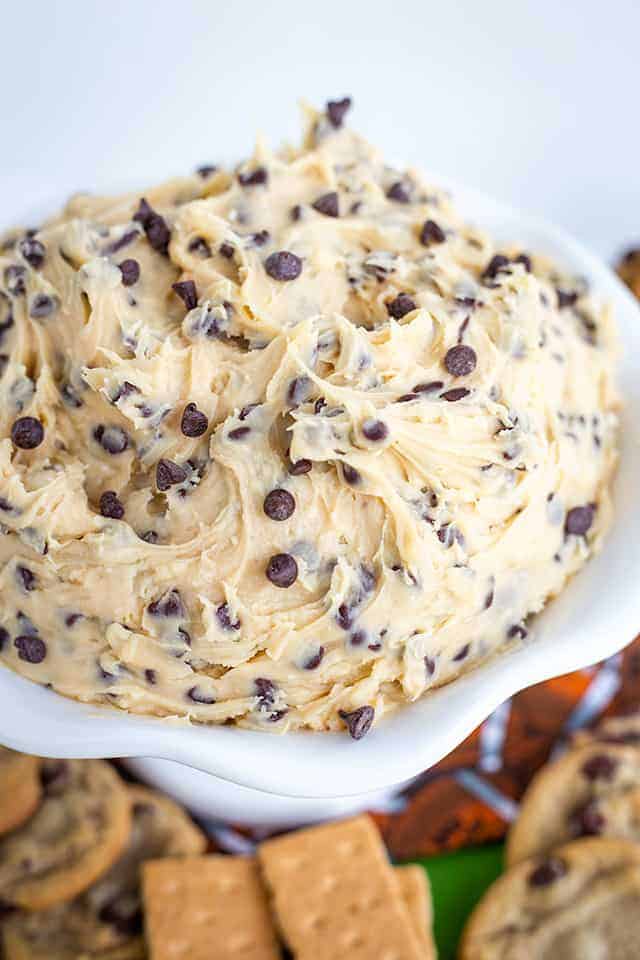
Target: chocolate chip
[
  {"x": 30, "y": 648},
  {"x": 358, "y": 637},
  {"x": 429, "y": 666},
  {"x": 198, "y": 696},
  {"x": 282, "y": 570},
  {"x": 170, "y": 605},
  {"x": 462, "y": 653},
  {"x": 498, "y": 264},
  {"x": 600, "y": 767},
  {"x": 149, "y": 536},
  {"x": 429, "y": 387},
  {"x": 300, "y": 467},
  {"x": 351, "y": 475},
  {"x": 458, "y": 393},
  {"x": 151, "y": 676},
  {"x": 124, "y": 913},
  {"x": 223, "y": 615},
  {"x": 200, "y": 247},
  {"x": 588, "y": 821},
  {"x": 111, "y": 506},
  {"x": 460, "y": 360},
  {"x": 206, "y": 170},
  {"x": 400, "y": 306},
  {"x": 253, "y": 179},
  {"x": 26, "y": 578},
  {"x": 298, "y": 391},
  {"x": 55, "y": 776},
  {"x": 279, "y": 504},
  {"x": 33, "y": 251},
  {"x": 71, "y": 619},
  {"x": 375, "y": 430},
  {"x": 14, "y": 279},
  {"x": 344, "y": 616},
  {"x": 42, "y": 306},
  {"x": 194, "y": 423},
  {"x": 168, "y": 474},
  {"x": 154, "y": 226},
  {"x": 525, "y": 260},
  {"x": 246, "y": 410},
  {"x": 336, "y": 110},
  {"x": 547, "y": 872},
  {"x": 327, "y": 204},
  {"x": 266, "y": 692},
  {"x": 566, "y": 298},
  {"x": 578, "y": 520},
  {"x": 112, "y": 439},
  {"x": 517, "y": 630},
  {"x": 121, "y": 242},
  {"x": 314, "y": 661},
  {"x": 27, "y": 433},
  {"x": 283, "y": 265},
  {"x": 398, "y": 192},
  {"x": 130, "y": 271},
  {"x": 238, "y": 433},
  {"x": 260, "y": 238},
  {"x": 186, "y": 290},
  {"x": 358, "y": 721},
  {"x": 431, "y": 233},
  {"x": 226, "y": 250}
]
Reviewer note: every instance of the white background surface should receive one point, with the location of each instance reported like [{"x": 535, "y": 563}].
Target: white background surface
[{"x": 534, "y": 102}]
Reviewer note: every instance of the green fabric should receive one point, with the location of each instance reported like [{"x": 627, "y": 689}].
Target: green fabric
[{"x": 458, "y": 880}]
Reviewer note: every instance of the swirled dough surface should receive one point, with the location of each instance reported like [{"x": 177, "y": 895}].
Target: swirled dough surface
[{"x": 438, "y": 426}]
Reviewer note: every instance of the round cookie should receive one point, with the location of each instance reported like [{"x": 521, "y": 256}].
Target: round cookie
[
  {"x": 591, "y": 790},
  {"x": 583, "y": 901},
  {"x": 620, "y": 729},
  {"x": 20, "y": 789},
  {"x": 105, "y": 921},
  {"x": 79, "y": 830}
]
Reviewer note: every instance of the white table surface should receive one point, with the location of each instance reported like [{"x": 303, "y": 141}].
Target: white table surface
[{"x": 534, "y": 102}]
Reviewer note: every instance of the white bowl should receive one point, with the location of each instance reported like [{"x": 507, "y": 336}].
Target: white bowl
[{"x": 597, "y": 614}]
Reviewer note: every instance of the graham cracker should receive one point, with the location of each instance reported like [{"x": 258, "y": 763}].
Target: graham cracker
[
  {"x": 416, "y": 893},
  {"x": 200, "y": 907},
  {"x": 335, "y": 894}
]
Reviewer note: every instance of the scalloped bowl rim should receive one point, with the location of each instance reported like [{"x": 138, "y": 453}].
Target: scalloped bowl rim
[{"x": 595, "y": 616}]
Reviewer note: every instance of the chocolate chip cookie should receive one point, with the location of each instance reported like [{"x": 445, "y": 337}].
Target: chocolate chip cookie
[
  {"x": 582, "y": 902},
  {"x": 592, "y": 790},
  {"x": 106, "y": 920},
  {"x": 79, "y": 830},
  {"x": 20, "y": 789}
]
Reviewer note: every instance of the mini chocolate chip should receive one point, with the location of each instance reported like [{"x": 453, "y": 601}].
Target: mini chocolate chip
[
  {"x": 128, "y": 237},
  {"x": 327, "y": 204},
  {"x": 149, "y": 536},
  {"x": 27, "y": 433},
  {"x": 253, "y": 179},
  {"x": 238, "y": 433},
  {"x": 525, "y": 260},
  {"x": 4, "y": 638},
  {"x": 282, "y": 570},
  {"x": 344, "y": 616},
  {"x": 351, "y": 475},
  {"x": 357, "y": 638},
  {"x": 194, "y": 423},
  {"x": 431, "y": 233},
  {"x": 588, "y": 821},
  {"x": 198, "y": 696},
  {"x": 266, "y": 692},
  {"x": 298, "y": 391},
  {"x": 398, "y": 192},
  {"x": 206, "y": 170},
  {"x": 283, "y": 265},
  {"x": 260, "y": 238},
  {"x": 429, "y": 387},
  {"x": 279, "y": 504},
  {"x": 314, "y": 661},
  {"x": 226, "y": 250},
  {"x": 200, "y": 247},
  {"x": 186, "y": 290},
  {"x": 462, "y": 653},
  {"x": 358, "y": 721},
  {"x": 154, "y": 226},
  {"x": 30, "y": 648},
  {"x": 458, "y": 393},
  {"x": 112, "y": 439},
  {"x": 566, "y": 298},
  {"x": 33, "y": 251},
  {"x": 488, "y": 600},
  {"x": 498, "y": 264},
  {"x": 111, "y": 506},
  {"x": 295, "y": 212},
  {"x": 55, "y": 776},
  {"x": 375, "y": 430},
  {"x": 170, "y": 605},
  {"x": 168, "y": 474},
  {"x": 26, "y": 578},
  {"x": 14, "y": 277},
  {"x": 336, "y": 110},
  {"x": 223, "y": 615},
  {"x": 547, "y": 872},
  {"x": 460, "y": 360},
  {"x": 42, "y": 306},
  {"x": 130, "y": 271},
  {"x": 71, "y": 619},
  {"x": 246, "y": 410},
  {"x": 150, "y": 676},
  {"x": 429, "y": 666},
  {"x": 600, "y": 767},
  {"x": 400, "y": 306},
  {"x": 578, "y": 520},
  {"x": 299, "y": 467}
]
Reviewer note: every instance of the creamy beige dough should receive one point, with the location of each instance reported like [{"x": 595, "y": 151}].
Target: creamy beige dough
[{"x": 342, "y": 462}]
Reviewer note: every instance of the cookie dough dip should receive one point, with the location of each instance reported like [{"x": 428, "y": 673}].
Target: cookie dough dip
[{"x": 291, "y": 444}]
